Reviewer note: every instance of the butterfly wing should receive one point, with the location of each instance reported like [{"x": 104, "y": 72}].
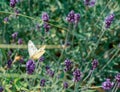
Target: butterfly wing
[
  {"x": 39, "y": 53},
  {"x": 31, "y": 48}
]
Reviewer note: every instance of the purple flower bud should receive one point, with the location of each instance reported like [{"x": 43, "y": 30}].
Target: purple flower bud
[
  {"x": 68, "y": 65},
  {"x": 17, "y": 12},
  {"x": 46, "y": 27},
  {"x": 6, "y": 19},
  {"x": 30, "y": 66},
  {"x": 13, "y": 3},
  {"x": 20, "y": 41},
  {"x": 9, "y": 63},
  {"x": 1, "y": 89},
  {"x": 14, "y": 35},
  {"x": 41, "y": 59},
  {"x": 107, "y": 85},
  {"x": 70, "y": 18},
  {"x": 50, "y": 72},
  {"x": 45, "y": 17},
  {"x": 94, "y": 64},
  {"x": 108, "y": 20},
  {"x": 77, "y": 75},
  {"x": 89, "y": 2},
  {"x": 117, "y": 77},
  {"x": 42, "y": 82},
  {"x": 65, "y": 85}
]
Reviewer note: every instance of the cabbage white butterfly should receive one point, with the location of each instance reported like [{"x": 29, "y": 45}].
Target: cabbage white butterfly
[{"x": 34, "y": 52}]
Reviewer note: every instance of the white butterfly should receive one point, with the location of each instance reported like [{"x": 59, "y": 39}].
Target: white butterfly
[{"x": 34, "y": 52}]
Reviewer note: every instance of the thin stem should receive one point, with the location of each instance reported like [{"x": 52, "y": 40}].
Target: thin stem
[{"x": 110, "y": 60}]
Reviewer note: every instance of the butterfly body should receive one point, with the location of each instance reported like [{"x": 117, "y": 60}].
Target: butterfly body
[{"x": 34, "y": 52}]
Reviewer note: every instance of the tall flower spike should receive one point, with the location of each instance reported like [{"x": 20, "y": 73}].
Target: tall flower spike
[
  {"x": 94, "y": 64},
  {"x": 13, "y": 3},
  {"x": 108, "y": 20},
  {"x": 30, "y": 66},
  {"x": 20, "y": 41},
  {"x": 107, "y": 85},
  {"x": 77, "y": 75},
  {"x": 68, "y": 65}
]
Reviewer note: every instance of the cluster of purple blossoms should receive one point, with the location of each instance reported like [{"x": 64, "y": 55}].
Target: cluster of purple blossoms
[
  {"x": 117, "y": 77},
  {"x": 65, "y": 85},
  {"x": 73, "y": 17},
  {"x": 68, "y": 65},
  {"x": 89, "y": 2},
  {"x": 14, "y": 35},
  {"x": 30, "y": 66},
  {"x": 107, "y": 85},
  {"x": 13, "y": 3},
  {"x": 9, "y": 63},
  {"x": 94, "y": 64},
  {"x": 20, "y": 41},
  {"x": 77, "y": 75},
  {"x": 45, "y": 18},
  {"x": 42, "y": 82},
  {"x": 1, "y": 89},
  {"x": 109, "y": 20}
]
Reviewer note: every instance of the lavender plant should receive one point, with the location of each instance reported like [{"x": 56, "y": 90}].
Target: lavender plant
[{"x": 82, "y": 46}]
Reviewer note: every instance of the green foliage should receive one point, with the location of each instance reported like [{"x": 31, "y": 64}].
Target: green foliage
[{"x": 88, "y": 41}]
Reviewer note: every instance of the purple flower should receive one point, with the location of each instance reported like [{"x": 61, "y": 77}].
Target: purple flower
[
  {"x": 70, "y": 18},
  {"x": 41, "y": 59},
  {"x": 107, "y": 85},
  {"x": 68, "y": 65},
  {"x": 1, "y": 89},
  {"x": 73, "y": 17},
  {"x": 45, "y": 17},
  {"x": 108, "y": 20},
  {"x": 14, "y": 35},
  {"x": 77, "y": 75},
  {"x": 89, "y": 2},
  {"x": 46, "y": 27},
  {"x": 77, "y": 17},
  {"x": 50, "y": 72},
  {"x": 30, "y": 66},
  {"x": 6, "y": 19},
  {"x": 13, "y": 3},
  {"x": 42, "y": 82},
  {"x": 65, "y": 85},
  {"x": 117, "y": 77},
  {"x": 20, "y": 41},
  {"x": 94, "y": 64},
  {"x": 9, "y": 63}
]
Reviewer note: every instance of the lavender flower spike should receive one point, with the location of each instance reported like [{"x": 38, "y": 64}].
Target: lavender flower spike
[
  {"x": 77, "y": 75},
  {"x": 107, "y": 85},
  {"x": 30, "y": 66}
]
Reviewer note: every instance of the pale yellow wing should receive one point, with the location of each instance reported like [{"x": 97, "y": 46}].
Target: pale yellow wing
[{"x": 39, "y": 53}]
